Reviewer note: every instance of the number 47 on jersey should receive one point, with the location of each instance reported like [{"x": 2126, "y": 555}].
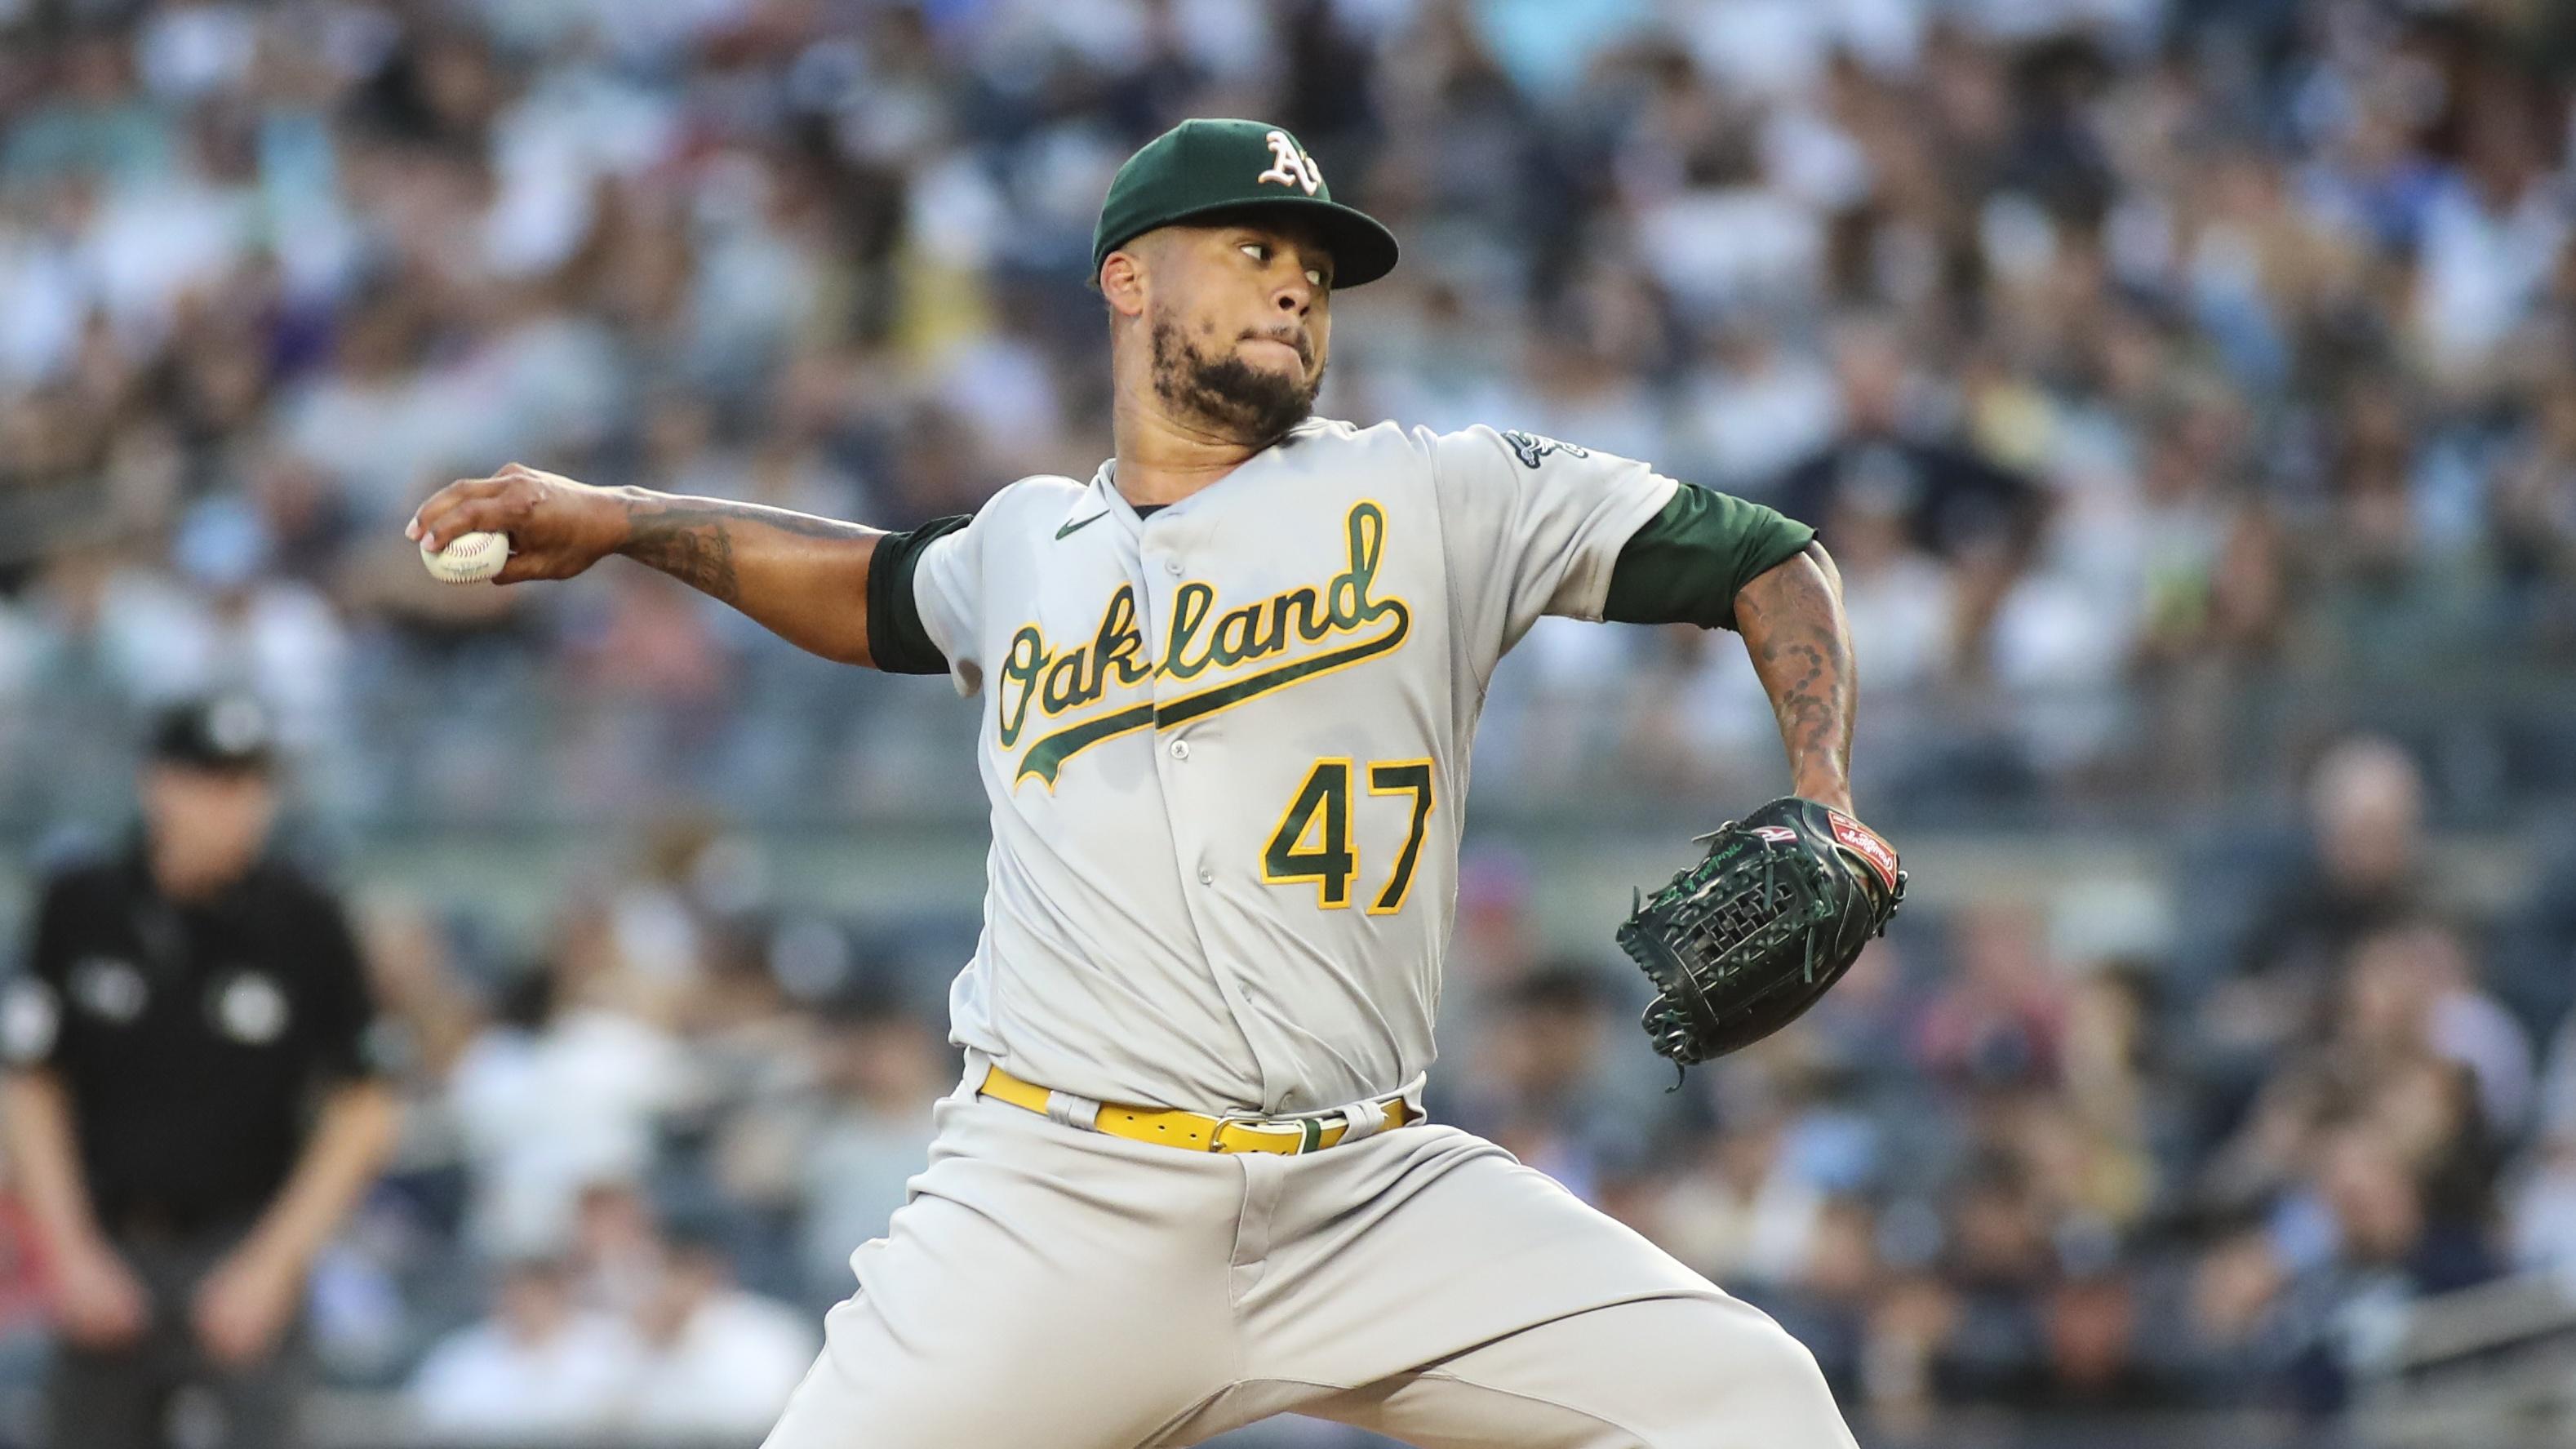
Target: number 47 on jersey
[{"x": 1314, "y": 842}]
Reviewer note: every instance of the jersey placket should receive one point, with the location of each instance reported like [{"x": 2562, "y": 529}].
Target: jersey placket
[{"x": 1189, "y": 760}]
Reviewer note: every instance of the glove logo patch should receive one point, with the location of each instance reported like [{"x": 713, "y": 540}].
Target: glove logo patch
[
  {"x": 1868, "y": 847},
  {"x": 1776, "y": 834}
]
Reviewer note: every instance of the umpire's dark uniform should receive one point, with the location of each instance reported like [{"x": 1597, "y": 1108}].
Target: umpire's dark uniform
[{"x": 190, "y": 1040}]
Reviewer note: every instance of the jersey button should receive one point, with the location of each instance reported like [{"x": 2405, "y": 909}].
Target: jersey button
[
  {"x": 1206, "y": 876},
  {"x": 1172, "y": 566},
  {"x": 1180, "y": 749}
]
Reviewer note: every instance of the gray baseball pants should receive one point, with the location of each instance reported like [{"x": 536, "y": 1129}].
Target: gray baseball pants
[{"x": 1052, "y": 1288}]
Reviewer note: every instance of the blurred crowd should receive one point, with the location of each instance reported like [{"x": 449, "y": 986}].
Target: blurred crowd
[{"x": 2157, "y": 369}]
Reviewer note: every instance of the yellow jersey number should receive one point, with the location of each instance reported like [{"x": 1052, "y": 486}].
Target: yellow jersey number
[{"x": 1313, "y": 840}]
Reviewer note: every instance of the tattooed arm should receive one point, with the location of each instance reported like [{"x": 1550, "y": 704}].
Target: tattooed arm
[
  {"x": 1791, "y": 617},
  {"x": 803, "y": 578}
]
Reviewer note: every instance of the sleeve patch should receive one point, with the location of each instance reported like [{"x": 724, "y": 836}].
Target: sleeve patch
[{"x": 1530, "y": 447}]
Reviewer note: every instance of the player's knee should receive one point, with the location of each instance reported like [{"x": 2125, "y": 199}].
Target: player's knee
[
  {"x": 1781, "y": 1359},
  {"x": 1777, "y": 1391},
  {"x": 1756, "y": 1364},
  {"x": 1747, "y": 1385},
  {"x": 1726, "y": 1334}
]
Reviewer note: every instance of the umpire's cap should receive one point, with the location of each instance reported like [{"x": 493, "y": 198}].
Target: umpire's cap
[
  {"x": 1202, "y": 167},
  {"x": 228, "y": 733}
]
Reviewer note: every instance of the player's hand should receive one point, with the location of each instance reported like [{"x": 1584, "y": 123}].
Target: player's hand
[
  {"x": 557, "y": 527},
  {"x": 244, "y": 1306},
  {"x": 102, "y": 1303}
]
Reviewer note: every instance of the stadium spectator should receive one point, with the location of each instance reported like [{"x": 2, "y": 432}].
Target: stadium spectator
[
  {"x": 541, "y": 1367},
  {"x": 2542, "y": 1209},
  {"x": 1741, "y": 1209},
  {"x": 1998, "y": 1269},
  {"x": 616, "y": 1253},
  {"x": 1540, "y": 1092},
  {"x": 718, "y": 1362},
  {"x": 2000, "y": 1020},
  {"x": 2094, "y": 1361},
  {"x": 1981, "y": 520},
  {"x": 2363, "y": 872},
  {"x": 565, "y": 1088},
  {"x": 2413, "y": 990},
  {"x": 865, "y": 1134},
  {"x": 2386, "y": 1243}
]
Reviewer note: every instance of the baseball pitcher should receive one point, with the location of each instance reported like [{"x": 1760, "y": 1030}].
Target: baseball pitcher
[{"x": 1227, "y": 691}]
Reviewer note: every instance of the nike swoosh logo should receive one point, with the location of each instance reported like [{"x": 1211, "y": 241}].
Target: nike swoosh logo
[{"x": 1073, "y": 528}]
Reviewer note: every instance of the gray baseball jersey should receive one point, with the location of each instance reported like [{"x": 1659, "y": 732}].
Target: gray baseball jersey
[{"x": 1226, "y": 749}]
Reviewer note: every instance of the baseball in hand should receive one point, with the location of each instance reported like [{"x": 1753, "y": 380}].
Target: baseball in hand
[{"x": 469, "y": 558}]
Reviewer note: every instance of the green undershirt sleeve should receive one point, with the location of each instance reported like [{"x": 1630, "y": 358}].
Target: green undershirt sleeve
[
  {"x": 897, "y": 642},
  {"x": 1685, "y": 565}
]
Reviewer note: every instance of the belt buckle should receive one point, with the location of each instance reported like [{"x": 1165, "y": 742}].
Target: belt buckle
[{"x": 1310, "y": 1130}]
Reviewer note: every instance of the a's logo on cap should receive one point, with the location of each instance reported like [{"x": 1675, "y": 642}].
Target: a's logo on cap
[{"x": 1290, "y": 166}]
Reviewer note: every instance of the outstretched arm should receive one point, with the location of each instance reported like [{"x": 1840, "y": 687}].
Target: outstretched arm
[
  {"x": 1791, "y": 616},
  {"x": 803, "y": 578}
]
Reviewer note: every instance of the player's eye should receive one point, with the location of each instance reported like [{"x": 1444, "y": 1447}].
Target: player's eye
[
  {"x": 1258, "y": 251},
  {"x": 1315, "y": 277}
]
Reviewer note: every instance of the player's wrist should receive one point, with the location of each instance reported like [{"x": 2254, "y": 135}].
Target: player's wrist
[
  {"x": 1832, "y": 791},
  {"x": 616, "y": 511}
]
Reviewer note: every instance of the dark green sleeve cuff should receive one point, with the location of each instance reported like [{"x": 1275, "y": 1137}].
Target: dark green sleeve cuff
[
  {"x": 897, "y": 643},
  {"x": 1686, "y": 564}
]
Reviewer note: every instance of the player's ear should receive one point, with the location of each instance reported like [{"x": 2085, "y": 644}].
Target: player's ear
[{"x": 1122, "y": 283}]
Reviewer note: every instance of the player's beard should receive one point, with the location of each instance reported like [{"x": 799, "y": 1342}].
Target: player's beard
[{"x": 1253, "y": 403}]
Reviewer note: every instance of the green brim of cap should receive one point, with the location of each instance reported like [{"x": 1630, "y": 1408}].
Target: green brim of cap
[{"x": 1363, "y": 249}]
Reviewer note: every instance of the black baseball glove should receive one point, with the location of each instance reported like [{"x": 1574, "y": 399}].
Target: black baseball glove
[{"x": 1742, "y": 943}]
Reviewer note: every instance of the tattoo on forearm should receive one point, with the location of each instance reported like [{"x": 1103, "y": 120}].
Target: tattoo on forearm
[
  {"x": 697, "y": 552},
  {"x": 1793, "y": 625},
  {"x": 692, "y": 540}
]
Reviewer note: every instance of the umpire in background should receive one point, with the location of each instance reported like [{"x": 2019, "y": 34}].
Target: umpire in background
[{"x": 191, "y": 1105}]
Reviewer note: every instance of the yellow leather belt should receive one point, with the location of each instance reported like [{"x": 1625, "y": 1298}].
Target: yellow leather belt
[{"x": 1194, "y": 1131}]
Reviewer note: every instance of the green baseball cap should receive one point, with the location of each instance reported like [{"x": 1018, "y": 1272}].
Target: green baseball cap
[{"x": 1201, "y": 167}]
